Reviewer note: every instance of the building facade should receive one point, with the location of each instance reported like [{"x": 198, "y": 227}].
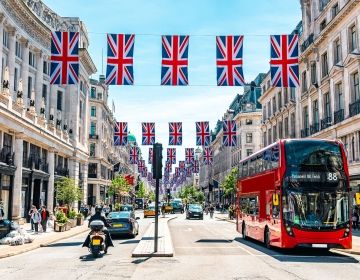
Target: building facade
[{"x": 43, "y": 127}]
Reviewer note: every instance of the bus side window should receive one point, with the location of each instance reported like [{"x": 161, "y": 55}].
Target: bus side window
[
  {"x": 251, "y": 167},
  {"x": 245, "y": 169}
]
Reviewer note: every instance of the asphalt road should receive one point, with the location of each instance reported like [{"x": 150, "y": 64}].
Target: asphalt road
[{"x": 208, "y": 249}]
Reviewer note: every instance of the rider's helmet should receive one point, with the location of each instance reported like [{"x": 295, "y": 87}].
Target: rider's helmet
[{"x": 98, "y": 209}]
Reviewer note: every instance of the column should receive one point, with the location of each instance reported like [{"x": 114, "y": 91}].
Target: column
[
  {"x": 11, "y": 58},
  {"x": 39, "y": 81},
  {"x": 85, "y": 182},
  {"x": 25, "y": 69},
  {"x": 18, "y": 160},
  {"x": 1, "y": 45},
  {"x": 96, "y": 192},
  {"x": 51, "y": 187}
]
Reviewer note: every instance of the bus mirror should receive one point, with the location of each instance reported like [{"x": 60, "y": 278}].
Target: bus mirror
[
  {"x": 275, "y": 199},
  {"x": 357, "y": 196}
]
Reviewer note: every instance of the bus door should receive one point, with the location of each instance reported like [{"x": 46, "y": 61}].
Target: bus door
[{"x": 273, "y": 214}]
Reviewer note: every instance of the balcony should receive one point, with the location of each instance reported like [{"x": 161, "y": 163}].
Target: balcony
[
  {"x": 326, "y": 122},
  {"x": 338, "y": 116},
  {"x": 62, "y": 171},
  {"x": 307, "y": 42},
  {"x": 6, "y": 156},
  {"x": 305, "y": 132},
  {"x": 314, "y": 128},
  {"x": 354, "y": 108},
  {"x": 93, "y": 136}
]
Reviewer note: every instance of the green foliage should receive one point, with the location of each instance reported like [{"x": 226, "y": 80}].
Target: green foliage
[
  {"x": 189, "y": 194},
  {"x": 61, "y": 217},
  {"x": 229, "y": 184},
  {"x": 72, "y": 214},
  {"x": 150, "y": 195},
  {"x": 117, "y": 206},
  {"x": 67, "y": 191},
  {"x": 119, "y": 185},
  {"x": 141, "y": 192}
]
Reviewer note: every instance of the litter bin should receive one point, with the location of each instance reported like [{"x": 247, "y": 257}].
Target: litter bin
[{"x": 5, "y": 227}]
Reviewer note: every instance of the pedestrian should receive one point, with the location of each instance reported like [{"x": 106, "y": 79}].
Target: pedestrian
[
  {"x": 163, "y": 209},
  {"x": 211, "y": 209},
  {"x": 44, "y": 217},
  {"x": 2, "y": 214},
  {"x": 30, "y": 215},
  {"x": 231, "y": 212},
  {"x": 36, "y": 219},
  {"x": 355, "y": 219}
]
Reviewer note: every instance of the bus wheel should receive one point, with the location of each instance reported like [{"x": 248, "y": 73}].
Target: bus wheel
[
  {"x": 243, "y": 231},
  {"x": 267, "y": 238}
]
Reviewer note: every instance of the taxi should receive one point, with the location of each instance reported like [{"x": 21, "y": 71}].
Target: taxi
[{"x": 149, "y": 211}]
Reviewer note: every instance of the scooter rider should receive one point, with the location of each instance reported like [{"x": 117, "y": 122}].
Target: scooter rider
[{"x": 98, "y": 217}]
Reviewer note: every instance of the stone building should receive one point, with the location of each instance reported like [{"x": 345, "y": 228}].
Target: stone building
[{"x": 43, "y": 128}]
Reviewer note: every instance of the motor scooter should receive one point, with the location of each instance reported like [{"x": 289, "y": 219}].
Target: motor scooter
[{"x": 97, "y": 238}]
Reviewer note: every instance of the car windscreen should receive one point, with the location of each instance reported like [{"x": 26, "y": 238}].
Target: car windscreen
[
  {"x": 126, "y": 208},
  {"x": 119, "y": 215},
  {"x": 195, "y": 208}
]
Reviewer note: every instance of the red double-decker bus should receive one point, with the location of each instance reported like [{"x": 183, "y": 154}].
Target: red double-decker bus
[{"x": 296, "y": 193}]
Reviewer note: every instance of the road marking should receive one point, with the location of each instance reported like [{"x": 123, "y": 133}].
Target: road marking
[
  {"x": 246, "y": 250},
  {"x": 206, "y": 247}
]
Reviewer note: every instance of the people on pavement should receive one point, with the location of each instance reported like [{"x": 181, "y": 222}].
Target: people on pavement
[
  {"x": 211, "y": 209},
  {"x": 163, "y": 210},
  {"x": 2, "y": 214},
  {"x": 30, "y": 214},
  {"x": 231, "y": 212},
  {"x": 36, "y": 219},
  {"x": 355, "y": 220},
  {"x": 99, "y": 217},
  {"x": 44, "y": 217}
]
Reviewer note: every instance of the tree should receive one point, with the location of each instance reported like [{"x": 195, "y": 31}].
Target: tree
[
  {"x": 67, "y": 191},
  {"x": 229, "y": 184},
  {"x": 119, "y": 185},
  {"x": 189, "y": 194},
  {"x": 141, "y": 192}
]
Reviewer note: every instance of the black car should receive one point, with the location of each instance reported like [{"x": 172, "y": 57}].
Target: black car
[
  {"x": 177, "y": 207},
  {"x": 122, "y": 223},
  {"x": 194, "y": 211}
]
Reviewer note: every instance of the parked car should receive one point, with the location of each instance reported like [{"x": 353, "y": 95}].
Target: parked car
[
  {"x": 194, "y": 211},
  {"x": 122, "y": 223}
]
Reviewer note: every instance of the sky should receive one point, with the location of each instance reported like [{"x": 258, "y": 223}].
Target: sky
[{"x": 202, "y": 100}]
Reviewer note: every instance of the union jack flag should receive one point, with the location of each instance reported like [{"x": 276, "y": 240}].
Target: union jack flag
[
  {"x": 171, "y": 155},
  {"x": 168, "y": 167},
  {"x": 121, "y": 134},
  {"x": 134, "y": 155},
  {"x": 202, "y": 134},
  {"x": 148, "y": 133},
  {"x": 195, "y": 166},
  {"x": 64, "y": 67},
  {"x": 284, "y": 63},
  {"x": 188, "y": 171},
  {"x": 182, "y": 166},
  {"x": 119, "y": 70},
  {"x": 144, "y": 172},
  {"x": 175, "y": 133},
  {"x": 229, "y": 60},
  {"x": 229, "y": 133},
  {"x": 149, "y": 176},
  {"x": 141, "y": 165},
  {"x": 174, "y": 68},
  {"x": 177, "y": 171},
  {"x": 208, "y": 156},
  {"x": 151, "y": 155},
  {"x": 189, "y": 155}
]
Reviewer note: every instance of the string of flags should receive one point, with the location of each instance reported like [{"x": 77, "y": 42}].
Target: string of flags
[{"x": 284, "y": 62}]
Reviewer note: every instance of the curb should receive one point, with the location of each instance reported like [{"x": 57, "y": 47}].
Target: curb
[
  {"x": 169, "y": 254},
  {"x": 36, "y": 246},
  {"x": 348, "y": 252}
]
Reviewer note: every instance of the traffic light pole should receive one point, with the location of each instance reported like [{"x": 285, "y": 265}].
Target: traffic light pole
[{"x": 156, "y": 233}]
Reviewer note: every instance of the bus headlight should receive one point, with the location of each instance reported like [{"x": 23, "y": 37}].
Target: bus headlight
[
  {"x": 346, "y": 232},
  {"x": 289, "y": 230}
]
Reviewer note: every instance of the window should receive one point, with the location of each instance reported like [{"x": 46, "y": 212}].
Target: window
[
  {"x": 313, "y": 73},
  {"x": 292, "y": 121},
  {"x": 334, "y": 10},
  {"x": 30, "y": 86},
  {"x": 46, "y": 68},
  {"x": 265, "y": 138},
  {"x": 6, "y": 39},
  {"x": 81, "y": 86},
  {"x": 81, "y": 109},
  {"x": 304, "y": 82},
  {"x": 100, "y": 96},
  {"x": 352, "y": 38},
  {"x": 324, "y": 65},
  {"x": 305, "y": 117},
  {"x": 244, "y": 169},
  {"x": 337, "y": 51},
  {"x": 93, "y": 92},
  {"x": 327, "y": 109},
  {"x": 269, "y": 109},
  {"x": 249, "y": 137},
  {"x": 250, "y": 205},
  {"x": 18, "y": 49},
  {"x": 59, "y": 100},
  {"x": 274, "y": 133},
  {"x": 286, "y": 122},
  {"x": 355, "y": 86},
  {"x": 279, "y": 100},
  {"x": 339, "y": 97},
  {"x": 92, "y": 149},
  {"x": 322, "y": 4},
  {"x": 249, "y": 152},
  {"x": 286, "y": 96},
  {"x": 280, "y": 129},
  {"x": 93, "y": 128},
  {"x": 44, "y": 92},
  {"x": 322, "y": 25},
  {"x": 92, "y": 170},
  {"x": 292, "y": 94},
  {"x": 32, "y": 59},
  {"x": 44, "y": 156},
  {"x": 269, "y": 136},
  {"x": 7, "y": 145},
  {"x": 315, "y": 107},
  {"x": 248, "y": 122},
  {"x": 274, "y": 104},
  {"x": 16, "y": 74},
  {"x": 93, "y": 111}
]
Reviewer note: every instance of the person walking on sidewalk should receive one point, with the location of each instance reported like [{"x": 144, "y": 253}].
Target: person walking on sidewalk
[
  {"x": 44, "y": 217},
  {"x": 355, "y": 219},
  {"x": 30, "y": 215},
  {"x": 211, "y": 209},
  {"x": 36, "y": 219}
]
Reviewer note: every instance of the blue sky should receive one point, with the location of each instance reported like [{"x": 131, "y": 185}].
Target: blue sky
[{"x": 202, "y": 20}]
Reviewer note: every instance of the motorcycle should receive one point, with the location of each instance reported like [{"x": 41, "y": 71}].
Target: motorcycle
[{"x": 97, "y": 238}]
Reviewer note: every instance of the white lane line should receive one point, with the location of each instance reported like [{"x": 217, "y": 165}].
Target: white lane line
[
  {"x": 206, "y": 247},
  {"x": 246, "y": 250}
]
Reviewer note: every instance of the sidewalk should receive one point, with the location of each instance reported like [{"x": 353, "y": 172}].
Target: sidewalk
[
  {"x": 41, "y": 240},
  {"x": 146, "y": 246}
]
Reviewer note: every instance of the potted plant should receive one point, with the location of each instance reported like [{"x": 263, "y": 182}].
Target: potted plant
[
  {"x": 79, "y": 219},
  {"x": 60, "y": 221},
  {"x": 72, "y": 218}
]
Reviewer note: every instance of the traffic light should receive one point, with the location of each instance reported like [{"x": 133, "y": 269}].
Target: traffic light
[
  {"x": 168, "y": 193},
  {"x": 157, "y": 161}
]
